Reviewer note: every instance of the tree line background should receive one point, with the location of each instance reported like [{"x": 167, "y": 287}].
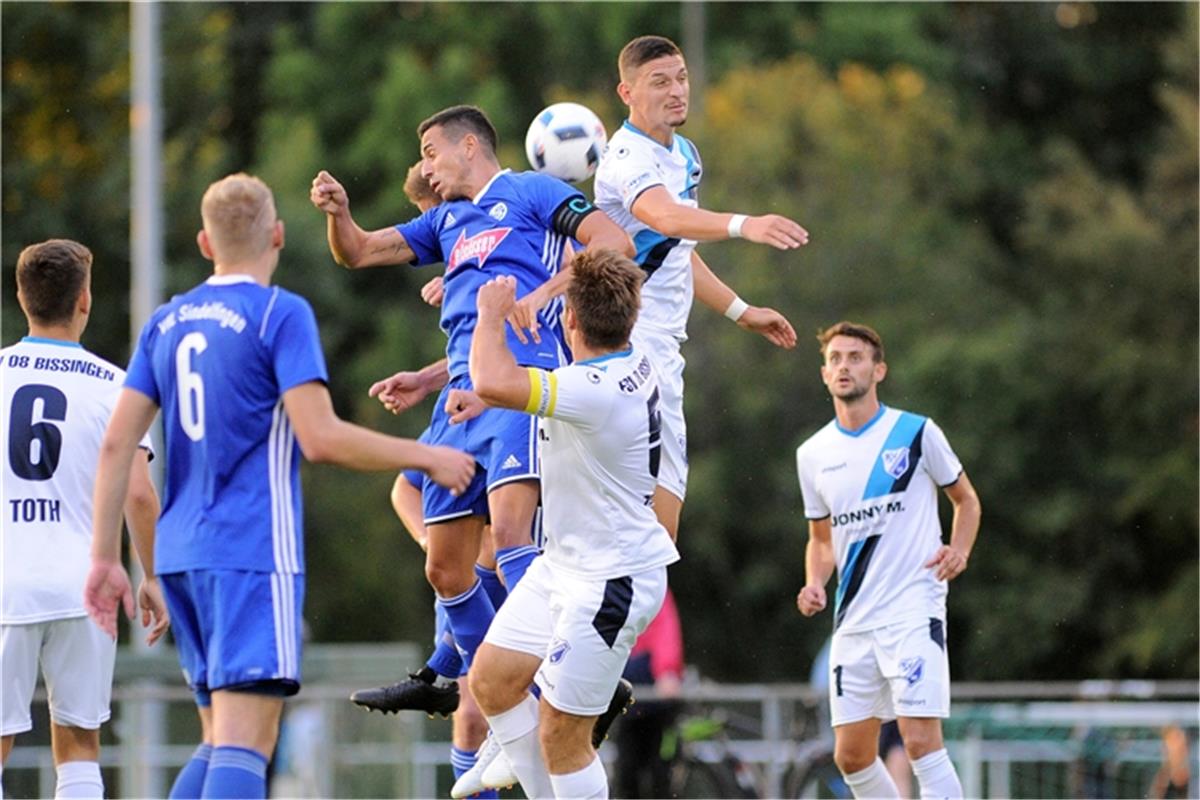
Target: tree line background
[{"x": 1007, "y": 192}]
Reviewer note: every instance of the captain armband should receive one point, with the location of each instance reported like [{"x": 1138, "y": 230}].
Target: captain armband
[
  {"x": 543, "y": 392},
  {"x": 570, "y": 215}
]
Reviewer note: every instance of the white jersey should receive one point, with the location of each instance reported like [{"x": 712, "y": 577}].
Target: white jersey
[
  {"x": 600, "y": 434},
  {"x": 57, "y": 398},
  {"x": 878, "y": 486},
  {"x": 632, "y": 164}
]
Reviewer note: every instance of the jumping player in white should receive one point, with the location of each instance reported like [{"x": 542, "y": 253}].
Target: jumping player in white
[
  {"x": 236, "y": 366},
  {"x": 571, "y": 622},
  {"x": 648, "y": 181},
  {"x": 870, "y": 480},
  {"x": 57, "y": 399}
]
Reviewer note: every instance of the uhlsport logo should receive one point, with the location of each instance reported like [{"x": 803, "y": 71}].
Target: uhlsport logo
[
  {"x": 477, "y": 247},
  {"x": 895, "y": 462},
  {"x": 558, "y": 649},
  {"x": 913, "y": 669}
]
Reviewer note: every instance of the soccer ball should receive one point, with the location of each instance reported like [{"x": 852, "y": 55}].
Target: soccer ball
[{"x": 566, "y": 141}]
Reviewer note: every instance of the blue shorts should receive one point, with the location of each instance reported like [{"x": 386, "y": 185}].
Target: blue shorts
[
  {"x": 504, "y": 444},
  {"x": 236, "y": 630},
  {"x": 415, "y": 477}
]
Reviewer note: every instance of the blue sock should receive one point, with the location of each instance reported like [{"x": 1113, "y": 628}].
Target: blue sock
[
  {"x": 235, "y": 772},
  {"x": 470, "y": 614},
  {"x": 190, "y": 780},
  {"x": 445, "y": 660},
  {"x": 463, "y": 760},
  {"x": 513, "y": 561},
  {"x": 492, "y": 585}
]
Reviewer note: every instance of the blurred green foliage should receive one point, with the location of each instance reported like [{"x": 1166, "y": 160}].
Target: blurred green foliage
[{"x": 1008, "y": 192}]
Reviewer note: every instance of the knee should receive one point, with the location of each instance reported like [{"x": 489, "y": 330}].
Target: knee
[
  {"x": 921, "y": 741},
  {"x": 510, "y": 532},
  {"x": 854, "y": 756},
  {"x": 487, "y": 691},
  {"x": 448, "y": 580}
]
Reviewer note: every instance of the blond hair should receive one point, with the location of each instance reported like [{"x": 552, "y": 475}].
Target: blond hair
[{"x": 239, "y": 217}]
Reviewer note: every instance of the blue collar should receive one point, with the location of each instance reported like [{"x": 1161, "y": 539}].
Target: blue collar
[
  {"x": 631, "y": 127},
  {"x": 866, "y": 426},
  {"x": 56, "y": 342},
  {"x": 607, "y": 357}
]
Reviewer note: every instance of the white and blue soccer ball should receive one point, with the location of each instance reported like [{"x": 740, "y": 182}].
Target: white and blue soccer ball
[{"x": 566, "y": 141}]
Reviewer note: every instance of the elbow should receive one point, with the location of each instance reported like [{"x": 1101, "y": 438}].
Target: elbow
[
  {"x": 142, "y": 502},
  {"x": 318, "y": 447},
  {"x": 487, "y": 389}
]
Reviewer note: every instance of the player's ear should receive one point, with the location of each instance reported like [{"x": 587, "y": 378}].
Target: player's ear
[
  {"x": 277, "y": 235},
  {"x": 625, "y": 93},
  {"x": 880, "y": 371},
  {"x": 204, "y": 245}
]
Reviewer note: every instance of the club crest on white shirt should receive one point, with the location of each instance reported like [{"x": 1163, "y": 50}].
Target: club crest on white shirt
[{"x": 895, "y": 462}]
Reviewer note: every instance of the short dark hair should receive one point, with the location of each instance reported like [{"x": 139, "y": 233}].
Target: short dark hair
[
  {"x": 458, "y": 121},
  {"x": 643, "y": 49},
  {"x": 50, "y": 277},
  {"x": 605, "y": 292},
  {"x": 856, "y": 330},
  {"x": 416, "y": 188}
]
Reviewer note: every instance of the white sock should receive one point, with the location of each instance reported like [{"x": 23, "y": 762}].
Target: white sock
[
  {"x": 937, "y": 776},
  {"x": 873, "y": 782},
  {"x": 517, "y": 732},
  {"x": 589, "y": 783},
  {"x": 79, "y": 779}
]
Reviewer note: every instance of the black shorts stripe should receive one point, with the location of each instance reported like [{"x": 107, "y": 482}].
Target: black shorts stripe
[{"x": 614, "y": 609}]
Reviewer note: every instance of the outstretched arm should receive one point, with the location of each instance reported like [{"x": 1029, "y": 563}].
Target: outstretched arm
[
  {"x": 714, "y": 293},
  {"x": 658, "y": 209},
  {"x": 326, "y": 438},
  {"x": 404, "y": 390},
  {"x": 353, "y": 247}
]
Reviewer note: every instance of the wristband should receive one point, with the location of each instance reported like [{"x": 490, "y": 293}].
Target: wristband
[
  {"x": 735, "y": 226},
  {"x": 737, "y": 307}
]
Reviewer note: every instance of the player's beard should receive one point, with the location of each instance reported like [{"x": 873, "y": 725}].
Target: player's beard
[{"x": 855, "y": 393}]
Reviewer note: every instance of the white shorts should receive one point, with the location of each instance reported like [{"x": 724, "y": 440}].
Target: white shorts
[
  {"x": 77, "y": 665},
  {"x": 901, "y": 670},
  {"x": 663, "y": 351},
  {"x": 582, "y": 630}
]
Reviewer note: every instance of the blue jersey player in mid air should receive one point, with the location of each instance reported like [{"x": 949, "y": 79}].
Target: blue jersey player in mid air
[
  {"x": 493, "y": 222},
  {"x": 236, "y": 367}
]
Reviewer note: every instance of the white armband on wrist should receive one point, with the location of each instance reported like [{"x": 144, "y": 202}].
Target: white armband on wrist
[
  {"x": 735, "y": 226},
  {"x": 737, "y": 307}
]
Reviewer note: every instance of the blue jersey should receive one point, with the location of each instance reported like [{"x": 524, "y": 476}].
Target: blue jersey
[
  {"x": 217, "y": 361},
  {"x": 517, "y": 225}
]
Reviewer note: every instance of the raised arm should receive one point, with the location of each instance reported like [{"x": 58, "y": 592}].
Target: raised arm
[
  {"x": 353, "y": 247},
  {"x": 714, "y": 293},
  {"x": 495, "y": 374},
  {"x": 818, "y": 566},
  {"x": 658, "y": 209}
]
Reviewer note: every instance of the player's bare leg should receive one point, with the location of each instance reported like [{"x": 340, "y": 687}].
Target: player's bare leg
[
  {"x": 575, "y": 768},
  {"x": 856, "y": 753},
  {"x": 927, "y": 752},
  {"x": 6, "y": 746},
  {"x": 513, "y": 507},
  {"x": 499, "y": 680},
  {"x": 76, "y": 760}
]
